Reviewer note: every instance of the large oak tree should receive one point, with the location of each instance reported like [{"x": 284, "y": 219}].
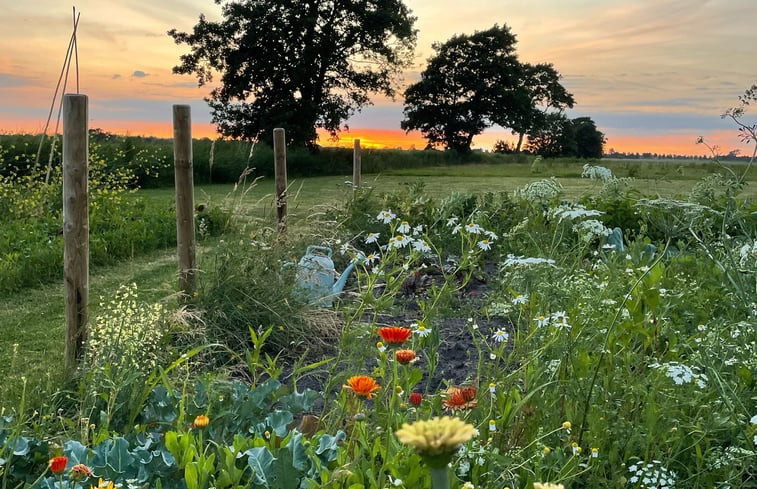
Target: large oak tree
[
  {"x": 470, "y": 81},
  {"x": 296, "y": 64}
]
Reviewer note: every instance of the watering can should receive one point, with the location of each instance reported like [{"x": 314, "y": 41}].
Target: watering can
[{"x": 317, "y": 282}]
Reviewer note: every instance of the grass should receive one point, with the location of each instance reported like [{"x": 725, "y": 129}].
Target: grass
[{"x": 34, "y": 319}]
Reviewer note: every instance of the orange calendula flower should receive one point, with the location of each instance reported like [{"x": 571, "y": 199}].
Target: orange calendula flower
[
  {"x": 80, "y": 471},
  {"x": 404, "y": 356},
  {"x": 58, "y": 464},
  {"x": 395, "y": 334},
  {"x": 201, "y": 421},
  {"x": 461, "y": 398},
  {"x": 101, "y": 484},
  {"x": 362, "y": 385}
]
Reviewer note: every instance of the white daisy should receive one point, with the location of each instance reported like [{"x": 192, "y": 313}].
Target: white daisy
[
  {"x": 421, "y": 245},
  {"x": 484, "y": 244},
  {"x": 372, "y": 238},
  {"x": 451, "y": 221},
  {"x": 386, "y": 216},
  {"x": 500, "y": 335},
  {"x": 473, "y": 228},
  {"x": 404, "y": 227}
]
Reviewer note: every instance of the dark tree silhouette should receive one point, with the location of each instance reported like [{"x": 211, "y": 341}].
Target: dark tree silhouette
[{"x": 296, "y": 64}]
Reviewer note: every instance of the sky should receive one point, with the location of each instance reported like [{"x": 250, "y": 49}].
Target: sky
[{"x": 653, "y": 74}]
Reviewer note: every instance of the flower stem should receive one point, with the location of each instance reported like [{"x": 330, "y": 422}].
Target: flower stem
[{"x": 440, "y": 477}]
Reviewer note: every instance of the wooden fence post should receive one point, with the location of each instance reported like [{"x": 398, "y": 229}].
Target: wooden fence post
[
  {"x": 75, "y": 225},
  {"x": 185, "y": 207},
  {"x": 356, "y": 163},
  {"x": 280, "y": 165}
]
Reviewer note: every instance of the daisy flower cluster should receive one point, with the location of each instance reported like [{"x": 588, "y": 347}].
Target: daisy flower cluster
[
  {"x": 487, "y": 237},
  {"x": 557, "y": 319},
  {"x": 403, "y": 234}
]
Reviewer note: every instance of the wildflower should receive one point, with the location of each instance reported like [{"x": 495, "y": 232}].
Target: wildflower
[
  {"x": 399, "y": 241},
  {"x": 101, "y": 484},
  {"x": 547, "y": 451},
  {"x": 404, "y": 356},
  {"x": 560, "y": 320},
  {"x": 566, "y": 426},
  {"x": 754, "y": 419},
  {"x": 395, "y": 334},
  {"x": 451, "y": 221},
  {"x": 473, "y": 228},
  {"x": 370, "y": 258},
  {"x": 381, "y": 347},
  {"x": 541, "y": 320},
  {"x": 492, "y": 356},
  {"x": 416, "y": 398},
  {"x": 58, "y": 464},
  {"x": 437, "y": 439},
  {"x": 594, "y": 452},
  {"x": 468, "y": 485},
  {"x": 492, "y": 236},
  {"x": 372, "y": 238},
  {"x": 398, "y": 390},
  {"x": 418, "y": 229},
  {"x": 421, "y": 245},
  {"x": 500, "y": 335},
  {"x": 484, "y": 244},
  {"x": 492, "y": 425},
  {"x": 456, "y": 229},
  {"x": 404, "y": 227},
  {"x": 362, "y": 385},
  {"x": 80, "y": 472},
  {"x": 201, "y": 421},
  {"x": 460, "y": 398},
  {"x": 520, "y": 299},
  {"x": 386, "y": 216},
  {"x": 576, "y": 448},
  {"x": 423, "y": 331},
  {"x": 492, "y": 388},
  {"x": 547, "y": 485}
]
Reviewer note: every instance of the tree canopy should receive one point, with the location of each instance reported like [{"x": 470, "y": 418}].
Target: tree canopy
[
  {"x": 561, "y": 136},
  {"x": 470, "y": 82},
  {"x": 476, "y": 81},
  {"x": 296, "y": 64}
]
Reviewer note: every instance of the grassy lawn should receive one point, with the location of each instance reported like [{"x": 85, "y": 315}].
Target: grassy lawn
[{"x": 34, "y": 319}]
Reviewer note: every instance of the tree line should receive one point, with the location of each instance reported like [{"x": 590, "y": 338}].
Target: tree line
[{"x": 309, "y": 64}]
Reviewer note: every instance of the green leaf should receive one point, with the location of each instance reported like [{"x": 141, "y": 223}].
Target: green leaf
[
  {"x": 191, "y": 476},
  {"x": 278, "y": 421},
  {"x": 260, "y": 461},
  {"x": 76, "y": 452}
]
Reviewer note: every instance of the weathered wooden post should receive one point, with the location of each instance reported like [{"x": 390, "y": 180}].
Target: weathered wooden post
[
  {"x": 75, "y": 225},
  {"x": 356, "y": 163},
  {"x": 185, "y": 220},
  {"x": 280, "y": 168}
]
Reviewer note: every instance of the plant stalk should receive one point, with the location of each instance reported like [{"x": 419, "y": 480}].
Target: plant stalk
[{"x": 440, "y": 477}]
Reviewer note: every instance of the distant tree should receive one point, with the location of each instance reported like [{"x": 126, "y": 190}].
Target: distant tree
[
  {"x": 590, "y": 141},
  {"x": 502, "y": 147},
  {"x": 299, "y": 65},
  {"x": 471, "y": 81},
  {"x": 554, "y": 137},
  {"x": 543, "y": 91}
]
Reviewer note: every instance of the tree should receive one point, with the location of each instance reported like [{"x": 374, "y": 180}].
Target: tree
[
  {"x": 299, "y": 65},
  {"x": 541, "y": 84},
  {"x": 560, "y": 136},
  {"x": 590, "y": 141},
  {"x": 470, "y": 81},
  {"x": 553, "y": 137}
]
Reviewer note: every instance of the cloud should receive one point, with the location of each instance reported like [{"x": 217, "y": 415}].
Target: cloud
[
  {"x": 8, "y": 80},
  {"x": 139, "y": 74}
]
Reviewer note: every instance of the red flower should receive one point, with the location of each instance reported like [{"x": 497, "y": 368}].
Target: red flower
[
  {"x": 416, "y": 398},
  {"x": 80, "y": 471},
  {"x": 404, "y": 356},
  {"x": 362, "y": 385},
  {"x": 395, "y": 334},
  {"x": 58, "y": 464},
  {"x": 461, "y": 398}
]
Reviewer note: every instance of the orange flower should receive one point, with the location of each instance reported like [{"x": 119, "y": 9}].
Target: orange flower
[
  {"x": 201, "y": 421},
  {"x": 80, "y": 471},
  {"x": 461, "y": 398},
  {"x": 395, "y": 334},
  {"x": 362, "y": 385},
  {"x": 404, "y": 356},
  {"x": 58, "y": 464}
]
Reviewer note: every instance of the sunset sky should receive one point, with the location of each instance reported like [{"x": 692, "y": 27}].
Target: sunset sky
[{"x": 653, "y": 74}]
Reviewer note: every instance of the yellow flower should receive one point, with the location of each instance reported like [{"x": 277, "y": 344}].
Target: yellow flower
[
  {"x": 101, "y": 484},
  {"x": 547, "y": 485},
  {"x": 566, "y": 425},
  {"x": 436, "y": 439},
  {"x": 201, "y": 421}
]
